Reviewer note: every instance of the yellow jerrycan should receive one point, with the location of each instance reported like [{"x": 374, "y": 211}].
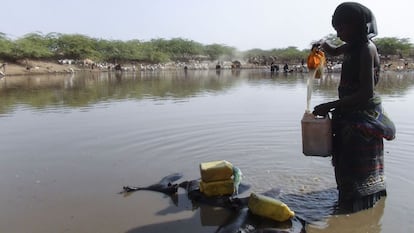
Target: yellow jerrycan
[
  {"x": 217, "y": 188},
  {"x": 216, "y": 170},
  {"x": 269, "y": 207}
]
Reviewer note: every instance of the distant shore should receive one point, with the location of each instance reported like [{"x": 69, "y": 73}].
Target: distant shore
[
  {"x": 50, "y": 67},
  {"x": 36, "y": 67}
]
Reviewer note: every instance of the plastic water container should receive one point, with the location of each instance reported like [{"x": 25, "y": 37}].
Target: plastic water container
[
  {"x": 269, "y": 207},
  {"x": 217, "y": 188},
  {"x": 216, "y": 171},
  {"x": 316, "y": 135}
]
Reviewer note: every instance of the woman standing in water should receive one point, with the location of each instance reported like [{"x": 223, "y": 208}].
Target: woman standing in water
[{"x": 358, "y": 121}]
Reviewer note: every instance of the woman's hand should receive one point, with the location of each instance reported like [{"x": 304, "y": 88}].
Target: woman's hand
[
  {"x": 322, "y": 109},
  {"x": 325, "y": 46}
]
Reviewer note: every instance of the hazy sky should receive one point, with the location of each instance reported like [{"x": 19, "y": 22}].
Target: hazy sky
[{"x": 244, "y": 24}]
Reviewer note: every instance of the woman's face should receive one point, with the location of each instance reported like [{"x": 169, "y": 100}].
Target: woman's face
[{"x": 345, "y": 32}]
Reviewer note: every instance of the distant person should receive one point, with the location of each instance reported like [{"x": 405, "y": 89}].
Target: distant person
[
  {"x": 218, "y": 66},
  {"x": 272, "y": 67},
  {"x": 286, "y": 68},
  {"x": 3, "y": 66},
  {"x": 358, "y": 121}
]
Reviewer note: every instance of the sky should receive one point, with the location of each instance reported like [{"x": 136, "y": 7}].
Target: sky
[{"x": 243, "y": 24}]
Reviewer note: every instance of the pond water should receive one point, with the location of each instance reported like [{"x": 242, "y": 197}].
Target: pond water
[{"x": 70, "y": 143}]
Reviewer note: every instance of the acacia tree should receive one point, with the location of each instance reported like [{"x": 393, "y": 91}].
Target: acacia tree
[
  {"x": 387, "y": 46},
  {"x": 77, "y": 47},
  {"x": 292, "y": 54},
  {"x": 177, "y": 48},
  {"x": 6, "y": 47},
  {"x": 213, "y": 51},
  {"x": 51, "y": 40},
  {"x": 394, "y": 46},
  {"x": 117, "y": 51},
  {"x": 32, "y": 45},
  {"x": 133, "y": 48}
]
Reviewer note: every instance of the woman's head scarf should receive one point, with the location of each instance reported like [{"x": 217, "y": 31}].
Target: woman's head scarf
[{"x": 358, "y": 15}]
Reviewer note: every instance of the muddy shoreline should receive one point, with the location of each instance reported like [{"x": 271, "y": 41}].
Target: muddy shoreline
[
  {"x": 33, "y": 67},
  {"x": 36, "y": 67}
]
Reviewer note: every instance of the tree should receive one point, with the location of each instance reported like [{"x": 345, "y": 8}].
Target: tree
[
  {"x": 227, "y": 52},
  {"x": 77, "y": 47},
  {"x": 290, "y": 54},
  {"x": 178, "y": 48},
  {"x": 393, "y": 46},
  {"x": 6, "y": 47},
  {"x": 32, "y": 45},
  {"x": 116, "y": 51}
]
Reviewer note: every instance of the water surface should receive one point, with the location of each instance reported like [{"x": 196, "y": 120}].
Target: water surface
[{"x": 69, "y": 144}]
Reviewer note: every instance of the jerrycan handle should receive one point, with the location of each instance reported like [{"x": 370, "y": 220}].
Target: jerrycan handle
[{"x": 323, "y": 117}]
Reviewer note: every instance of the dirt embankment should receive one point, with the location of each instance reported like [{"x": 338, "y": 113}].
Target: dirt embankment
[{"x": 34, "y": 67}]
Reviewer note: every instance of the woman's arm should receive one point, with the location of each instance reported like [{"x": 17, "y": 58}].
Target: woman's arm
[
  {"x": 333, "y": 50},
  {"x": 368, "y": 56}
]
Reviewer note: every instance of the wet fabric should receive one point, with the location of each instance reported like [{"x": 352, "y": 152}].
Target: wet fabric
[
  {"x": 372, "y": 121},
  {"x": 358, "y": 153},
  {"x": 358, "y": 156},
  {"x": 358, "y": 149}
]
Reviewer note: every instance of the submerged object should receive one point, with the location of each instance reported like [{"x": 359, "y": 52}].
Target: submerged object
[
  {"x": 316, "y": 135},
  {"x": 269, "y": 207},
  {"x": 165, "y": 185},
  {"x": 240, "y": 218}
]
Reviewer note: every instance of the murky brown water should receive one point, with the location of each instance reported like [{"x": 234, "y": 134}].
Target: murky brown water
[{"x": 69, "y": 143}]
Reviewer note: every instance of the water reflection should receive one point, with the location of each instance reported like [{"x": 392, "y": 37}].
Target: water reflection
[
  {"x": 84, "y": 89},
  {"x": 87, "y": 88},
  {"x": 365, "y": 221}
]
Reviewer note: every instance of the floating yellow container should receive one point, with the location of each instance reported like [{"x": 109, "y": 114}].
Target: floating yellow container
[
  {"x": 216, "y": 171},
  {"x": 217, "y": 188},
  {"x": 269, "y": 207}
]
